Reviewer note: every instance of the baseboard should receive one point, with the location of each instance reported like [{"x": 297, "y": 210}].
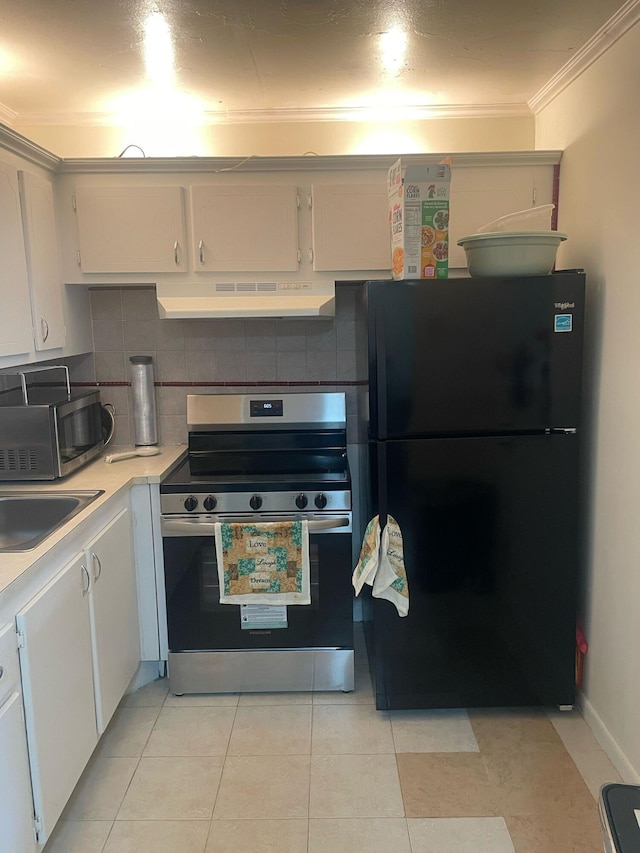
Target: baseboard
[
  {"x": 609, "y": 744},
  {"x": 148, "y": 671}
]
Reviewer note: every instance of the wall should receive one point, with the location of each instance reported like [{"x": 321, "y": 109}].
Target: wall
[
  {"x": 596, "y": 121},
  {"x": 214, "y": 356},
  {"x": 513, "y": 133}
]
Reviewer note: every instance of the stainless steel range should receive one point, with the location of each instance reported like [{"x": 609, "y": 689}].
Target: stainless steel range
[{"x": 258, "y": 458}]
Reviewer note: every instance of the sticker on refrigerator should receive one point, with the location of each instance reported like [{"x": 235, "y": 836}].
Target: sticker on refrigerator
[
  {"x": 259, "y": 616},
  {"x": 563, "y": 323}
]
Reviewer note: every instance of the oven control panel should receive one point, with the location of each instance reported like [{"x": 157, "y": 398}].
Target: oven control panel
[{"x": 226, "y": 502}]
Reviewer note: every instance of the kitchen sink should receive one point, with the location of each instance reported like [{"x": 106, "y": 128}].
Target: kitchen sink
[{"x": 27, "y": 518}]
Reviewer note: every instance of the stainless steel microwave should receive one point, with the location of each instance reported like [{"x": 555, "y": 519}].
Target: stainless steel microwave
[{"x": 48, "y": 440}]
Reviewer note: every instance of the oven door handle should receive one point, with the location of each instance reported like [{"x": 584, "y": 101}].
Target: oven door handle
[{"x": 195, "y": 527}]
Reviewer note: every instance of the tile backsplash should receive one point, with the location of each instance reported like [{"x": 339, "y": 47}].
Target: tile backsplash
[{"x": 215, "y": 356}]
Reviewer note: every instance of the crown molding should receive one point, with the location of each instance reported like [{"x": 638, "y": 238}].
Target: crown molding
[
  {"x": 626, "y": 17},
  {"x": 293, "y": 115},
  {"x": 7, "y": 115},
  {"x": 370, "y": 114},
  {"x": 11, "y": 140},
  {"x": 342, "y": 162}
]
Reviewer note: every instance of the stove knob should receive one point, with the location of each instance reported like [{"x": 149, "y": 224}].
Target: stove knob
[
  {"x": 210, "y": 503},
  {"x": 301, "y": 501},
  {"x": 191, "y": 503},
  {"x": 255, "y": 502},
  {"x": 321, "y": 501}
]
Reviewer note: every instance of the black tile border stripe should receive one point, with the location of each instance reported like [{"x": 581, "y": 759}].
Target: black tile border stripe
[{"x": 183, "y": 384}]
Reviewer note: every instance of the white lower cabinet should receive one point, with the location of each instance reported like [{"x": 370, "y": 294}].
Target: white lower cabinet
[
  {"x": 79, "y": 644},
  {"x": 16, "y": 818},
  {"x": 115, "y": 631},
  {"x": 16, "y": 807},
  {"x": 57, "y": 675}
]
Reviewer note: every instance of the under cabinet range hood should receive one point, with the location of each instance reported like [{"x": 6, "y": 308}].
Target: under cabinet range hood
[{"x": 246, "y": 299}]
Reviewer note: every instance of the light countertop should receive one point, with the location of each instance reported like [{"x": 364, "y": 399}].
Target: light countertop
[{"x": 112, "y": 478}]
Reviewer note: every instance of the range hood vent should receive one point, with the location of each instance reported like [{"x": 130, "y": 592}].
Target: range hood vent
[{"x": 248, "y": 299}]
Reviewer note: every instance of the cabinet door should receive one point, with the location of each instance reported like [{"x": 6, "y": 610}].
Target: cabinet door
[
  {"x": 483, "y": 193},
  {"x": 43, "y": 262},
  {"x": 350, "y": 227},
  {"x": 16, "y": 335},
  {"x": 131, "y": 229},
  {"x": 16, "y": 805},
  {"x": 245, "y": 228},
  {"x": 16, "y": 810},
  {"x": 115, "y": 627},
  {"x": 57, "y": 678}
]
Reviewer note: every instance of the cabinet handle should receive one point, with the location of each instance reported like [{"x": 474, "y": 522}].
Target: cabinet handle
[
  {"x": 1, "y": 671},
  {"x": 45, "y": 329},
  {"x": 85, "y": 591},
  {"x": 176, "y": 254},
  {"x": 201, "y": 251},
  {"x": 96, "y": 559}
]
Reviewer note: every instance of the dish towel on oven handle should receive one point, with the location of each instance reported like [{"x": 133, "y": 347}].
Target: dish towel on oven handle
[
  {"x": 263, "y": 563},
  {"x": 381, "y": 564}
]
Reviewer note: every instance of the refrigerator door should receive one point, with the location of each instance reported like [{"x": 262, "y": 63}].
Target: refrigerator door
[
  {"x": 475, "y": 355},
  {"x": 489, "y": 527}
]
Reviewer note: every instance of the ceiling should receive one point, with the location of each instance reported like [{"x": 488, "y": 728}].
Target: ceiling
[{"x": 238, "y": 60}]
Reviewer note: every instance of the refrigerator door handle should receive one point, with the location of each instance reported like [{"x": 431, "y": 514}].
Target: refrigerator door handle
[{"x": 381, "y": 379}]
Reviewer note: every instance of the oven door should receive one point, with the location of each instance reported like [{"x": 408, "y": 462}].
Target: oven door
[{"x": 198, "y": 622}]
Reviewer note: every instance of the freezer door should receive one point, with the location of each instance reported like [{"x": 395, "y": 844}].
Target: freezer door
[
  {"x": 474, "y": 355},
  {"x": 490, "y": 543}
]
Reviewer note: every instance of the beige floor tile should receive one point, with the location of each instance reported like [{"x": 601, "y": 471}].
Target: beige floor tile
[
  {"x": 128, "y": 732},
  {"x": 191, "y": 731},
  {"x": 274, "y": 699},
  {"x": 596, "y": 769},
  {"x": 460, "y": 835},
  {"x": 446, "y": 785},
  {"x": 350, "y": 729},
  {"x": 432, "y": 731},
  {"x": 355, "y": 835},
  {"x": 152, "y": 695},
  {"x": 158, "y": 836},
  {"x": 78, "y": 836},
  {"x": 355, "y": 786},
  {"x": 362, "y": 694},
  {"x": 271, "y": 730},
  {"x": 264, "y": 786},
  {"x": 546, "y": 833},
  {"x": 198, "y": 700},
  {"x": 258, "y": 836},
  {"x": 513, "y": 729},
  {"x": 172, "y": 789},
  {"x": 573, "y": 730},
  {"x": 537, "y": 782},
  {"x": 101, "y": 789}
]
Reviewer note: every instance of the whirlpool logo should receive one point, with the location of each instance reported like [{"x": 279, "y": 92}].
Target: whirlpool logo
[{"x": 564, "y": 305}]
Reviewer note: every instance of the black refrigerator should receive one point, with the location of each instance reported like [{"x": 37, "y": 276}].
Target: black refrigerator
[{"x": 474, "y": 436}]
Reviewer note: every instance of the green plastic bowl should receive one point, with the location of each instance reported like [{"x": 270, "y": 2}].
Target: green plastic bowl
[{"x": 507, "y": 253}]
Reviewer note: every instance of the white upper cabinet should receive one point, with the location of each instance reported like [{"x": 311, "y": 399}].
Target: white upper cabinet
[
  {"x": 16, "y": 335},
  {"x": 481, "y": 194},
  {"x": 43, "y": 261},
  {"x": 350, "y": 227},
  {"x": 131, "y": 229},
  {"x": 244, "y": 228}
]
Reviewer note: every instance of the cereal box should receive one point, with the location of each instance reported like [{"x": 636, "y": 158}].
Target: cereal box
[{"x": 419, "y": 218}]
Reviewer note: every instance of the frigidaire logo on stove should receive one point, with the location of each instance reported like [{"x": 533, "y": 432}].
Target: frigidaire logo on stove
[{"x": 564, "y": 305}]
